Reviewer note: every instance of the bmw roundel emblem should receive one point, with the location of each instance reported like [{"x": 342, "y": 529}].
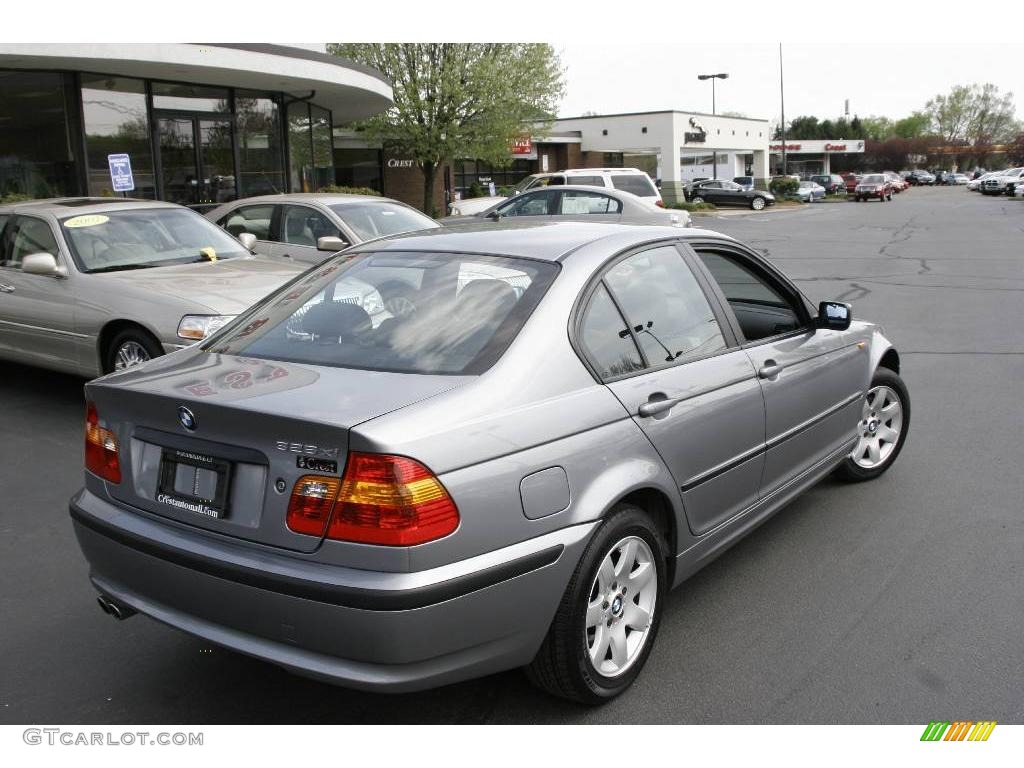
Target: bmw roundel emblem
[{"x": 187, "y": 418}]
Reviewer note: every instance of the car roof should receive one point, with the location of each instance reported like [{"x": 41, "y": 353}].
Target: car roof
[
  {"x": 66, "y": 206},
  {"x": 547, "y": 240},
  {"x": 327, "y": 198}
]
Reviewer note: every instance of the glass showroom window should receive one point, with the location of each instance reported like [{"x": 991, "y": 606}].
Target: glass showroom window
[
  {"x": 310, "y": 147},
  {"x": 323, "y": 147},
  {"x": 114, "y": 113},
  {"x": 359, "y": 168},
  {"x": 36, "y": 156},
  {"x": 260, "y": 156}
]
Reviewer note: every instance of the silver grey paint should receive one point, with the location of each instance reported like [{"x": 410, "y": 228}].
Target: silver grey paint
[{"x": 486, "y": 437}]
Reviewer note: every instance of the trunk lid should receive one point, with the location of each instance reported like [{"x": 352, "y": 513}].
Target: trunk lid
[{"x": 255, "y": 423}]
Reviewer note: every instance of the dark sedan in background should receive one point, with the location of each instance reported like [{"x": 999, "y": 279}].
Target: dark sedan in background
[{"x": 721, "y": 192}]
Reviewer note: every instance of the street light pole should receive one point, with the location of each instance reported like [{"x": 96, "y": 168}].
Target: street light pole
[
  {"x": 712, "y": 78},
  {"x": 782, "y": 95}
]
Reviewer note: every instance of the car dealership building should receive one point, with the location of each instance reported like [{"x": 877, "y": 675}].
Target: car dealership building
[{"x": 200, "y": 123}]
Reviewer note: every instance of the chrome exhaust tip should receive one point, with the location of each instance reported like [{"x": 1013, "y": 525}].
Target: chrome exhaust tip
[{"x": 113, "y": 608}]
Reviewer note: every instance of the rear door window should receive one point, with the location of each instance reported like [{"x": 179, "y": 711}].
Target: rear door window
[
  {"x": 575, "y": 203},
  {"x": 462, "y": 316},
  {"x": 639, "y": 184},
  {"x": 666, "y": 309},
  {"x": 606, "y": 340},
  {"x": 586, "y": 181}
]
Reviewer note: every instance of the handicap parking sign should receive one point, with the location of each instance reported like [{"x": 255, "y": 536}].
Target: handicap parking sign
[{"x": 121, "y": 173}]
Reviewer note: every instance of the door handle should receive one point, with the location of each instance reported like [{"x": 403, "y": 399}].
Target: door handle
[
  {"x": 654, "y": 407},
  {"x": 5, "y": 288},
  {"x": 769, "y": 370}
]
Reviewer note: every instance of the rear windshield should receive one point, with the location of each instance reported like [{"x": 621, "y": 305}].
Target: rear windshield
[
  {"x": 380, "y": 219},
  {"x": 637, "y": 183},
  {"x": 408, "y": 312},
  {"x": 874, "y": 179}
]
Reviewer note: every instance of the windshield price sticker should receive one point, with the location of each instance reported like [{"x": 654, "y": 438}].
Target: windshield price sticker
[{"x": 86, "y": 221}]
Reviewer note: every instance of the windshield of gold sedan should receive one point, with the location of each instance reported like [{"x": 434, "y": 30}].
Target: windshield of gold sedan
[
  {"x": 138, "y": 238},
  {"x": 408, "y": 312}
]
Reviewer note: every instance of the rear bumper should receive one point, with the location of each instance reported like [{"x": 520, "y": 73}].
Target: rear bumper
[{"x": 369, "y": 630}]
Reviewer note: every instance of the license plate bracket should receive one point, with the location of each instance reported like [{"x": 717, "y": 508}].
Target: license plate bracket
[{"x": 194, "y": 482}]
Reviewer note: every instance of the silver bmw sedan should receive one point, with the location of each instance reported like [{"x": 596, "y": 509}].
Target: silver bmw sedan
[
  {"x": 93, "y": 285},
  {"x": 560, "y": 423}
]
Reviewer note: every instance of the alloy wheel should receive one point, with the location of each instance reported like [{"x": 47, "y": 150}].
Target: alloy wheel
[
  {"x": 620, "y": 606},
  {"x": 129, "y": 354},
  {"x": 880, "y": 427}
]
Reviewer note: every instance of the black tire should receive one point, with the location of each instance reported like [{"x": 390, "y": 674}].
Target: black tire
[
  {"x": 562, "y": 666},
  {"x": 696, "y": 199},
  {"x": 129, "y": 335},
  {"x": 757, "y": 204},
  {"x": 851, "y": 471}
]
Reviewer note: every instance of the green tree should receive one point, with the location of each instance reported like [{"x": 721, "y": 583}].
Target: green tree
[
  {"x": 974, "y": 115},
  {"x": 914, "y": 126},
  {"x": 457, "y": 100}
]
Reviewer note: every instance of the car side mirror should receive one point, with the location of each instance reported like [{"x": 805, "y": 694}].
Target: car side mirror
[
  {"x": 834, "y": 315},
  {"x": 41, "y": 264},
  {"x": 248, "y": 240},
  {"x": 494, "y": 215},
  {"x": 331, "y": 244}
]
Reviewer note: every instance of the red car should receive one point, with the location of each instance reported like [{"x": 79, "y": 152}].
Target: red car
[
  {"x": 873, "y": 185},
  {"x": 851, "y": 180}
]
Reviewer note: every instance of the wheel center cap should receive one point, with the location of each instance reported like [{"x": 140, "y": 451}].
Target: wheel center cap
[
  {"x": 873, "y": 426},
  {"x": 617, "y": 605}
]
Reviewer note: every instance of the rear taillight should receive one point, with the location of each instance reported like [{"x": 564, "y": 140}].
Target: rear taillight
[
  {"x": 382, "y": 499},
  {"x": 391, "y": 500},
  {"x": 101, "y": 456},
  {"x": 312, "y": 501},
  {"x": 660, "y": 203}
]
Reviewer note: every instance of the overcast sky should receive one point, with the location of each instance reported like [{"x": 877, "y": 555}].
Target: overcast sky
[{"x": 885, "y": 80}]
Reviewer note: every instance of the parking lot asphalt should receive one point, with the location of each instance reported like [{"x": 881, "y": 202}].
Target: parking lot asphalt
[{"x": 897, "y": 601}]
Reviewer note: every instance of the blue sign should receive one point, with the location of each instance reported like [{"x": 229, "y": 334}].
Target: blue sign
[{"x": 121, "y": 173}]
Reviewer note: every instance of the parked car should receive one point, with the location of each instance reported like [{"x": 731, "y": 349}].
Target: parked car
[
  {"x": 401, "y": 503},
  {"x": 974, "y": 185},
  {"x": 809, "y": 191},
  {"x": 747, "y": 182},
  {"x": 577, "y": 202},
  {"x": 474, "y": 205},
  {"x": 1018, "y": 189},
  {"x": 722, "y": 192},
  {"x": 896, "y": 181},
  {"x": 310, "y": 227},
  {"x": 851, "y": 180},
  {"x": 832, "y": 182},
  {"x": 1001, "y": 183},
  {"x": 93, "y": 285},
  {"x": 873, "y": 185},
  {"x": 958, "y": 179},
  {"x": 921, "y": 178},
  {"x": 631, "y": 180}
]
